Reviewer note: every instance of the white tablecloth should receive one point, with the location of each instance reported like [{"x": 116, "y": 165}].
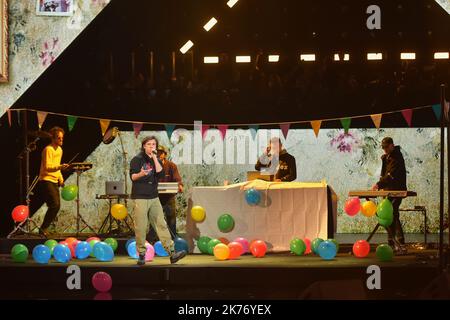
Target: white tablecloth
[{"x": 286, "y": 210}]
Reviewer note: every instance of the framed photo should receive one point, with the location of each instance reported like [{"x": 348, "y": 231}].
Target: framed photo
[
  {"x": 61, "y": 8},
  {"x": 3, "y": 40}
]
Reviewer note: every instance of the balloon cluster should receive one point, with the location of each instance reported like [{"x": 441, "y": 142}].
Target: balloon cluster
[{"x": 384, "y": 211}]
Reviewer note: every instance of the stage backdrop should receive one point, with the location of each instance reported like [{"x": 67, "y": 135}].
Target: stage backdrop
[{"x": 346, "y": 162}]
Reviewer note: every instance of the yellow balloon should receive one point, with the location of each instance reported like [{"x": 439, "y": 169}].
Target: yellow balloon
[
  {"x": 369, "y": 208},
  {"x": 221, "y": 251},
  {"x": 198, "y": 213},
  {"x": 119, "y": 211}
]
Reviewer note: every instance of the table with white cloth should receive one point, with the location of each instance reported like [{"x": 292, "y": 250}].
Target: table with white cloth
[{"x": 286, "y": 210}]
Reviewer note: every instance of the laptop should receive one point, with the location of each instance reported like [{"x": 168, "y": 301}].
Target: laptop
[
  {"x": 253, "y": 175},
  {"x": 115, "y": 188}
]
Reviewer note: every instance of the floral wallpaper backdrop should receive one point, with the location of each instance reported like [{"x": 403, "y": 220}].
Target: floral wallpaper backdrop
[
  {"x": 36, "y": 41},
  {"x": 346, "y": 162}
]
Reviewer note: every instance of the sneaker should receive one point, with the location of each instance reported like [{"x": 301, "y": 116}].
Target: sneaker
[
  {"x": 174, "y": 257},
  {"x": 141, "y": 260}
]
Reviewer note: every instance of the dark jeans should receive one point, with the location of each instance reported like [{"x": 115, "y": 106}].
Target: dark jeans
[
  {"x": 395, "y": 229},
  {"x": 170, "y": 214},
  {"x": 46, "y": 192}
]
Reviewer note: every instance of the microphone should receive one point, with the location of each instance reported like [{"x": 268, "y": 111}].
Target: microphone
[{"x": 154, "y": 152}]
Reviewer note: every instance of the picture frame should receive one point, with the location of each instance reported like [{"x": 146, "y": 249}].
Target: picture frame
[
  {"x": 55, "y": 8},
  {"x": 3, "y": 40}
]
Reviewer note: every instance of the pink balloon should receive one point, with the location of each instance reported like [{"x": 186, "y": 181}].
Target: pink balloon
[
  {"x": 244, "y": 243},
  {"x": 308, "y": 245},
  {"x": 92, "y": 238},
  {"x": 102, "y": 281},
  {"x": 150, "y": 253},
  {"x": 352, "y": 206}
]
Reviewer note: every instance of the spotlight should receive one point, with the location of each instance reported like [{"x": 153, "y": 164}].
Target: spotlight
[
  {"x": 407, "y": 56},
  {"x": 186, "y": 47},
  {"x": 214, "y": 59},
  {"x": 211, "y": 23},
  {"x": 307, "y": 57},
  {"x": 374, "y": 56},
  {"x": 441, "y": 55},
  {"x": 274, "y": 58},
  {"x": 243, "y": 59},
  {"x": 231, "y": 3}
]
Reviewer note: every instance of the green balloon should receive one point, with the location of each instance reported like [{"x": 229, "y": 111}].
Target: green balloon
[
  {"x": 19, "y": 253},
  {"x": 336, "y": 243},
  {"x": 69, "y": 193},
  {"x": 92, "y": 243},
  {"x": 225, "y": 223},
  {"x": 298, "y": 246},
  {"x": 202, "y": 244},
  {"x": 384, "y": 252},
  {"x": 385, "y": 210},
  {"x": 51, "y": 244},
  {"x": 315, "y": 245},
  {"x": 112, "y": 243},
  {"x": 385, "y": 222},
  {"x": 211, "y": 244}
]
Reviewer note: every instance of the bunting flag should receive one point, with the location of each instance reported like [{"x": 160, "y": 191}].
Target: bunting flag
[
  {"x": 437, "y": 109},
  {"x": 376, "y": 118},
  {"x": 169, "y": 129},
  {"x": 137, "y": 127},
  {"x": 223, "y": 130},
  {"x": 346, "y": 124},
  {"x": 71, "y": 120},
  {"x": 104, "y": 124},
  {"x": 41, "y": 118},
  {"x": 316, "y": 126},
  {"x": 9, "y": 117},
  {"x": 285, "y": 129},
  {"x": 205, "y": 128},
  {"x": 407, "y": 114},
  {"x": 253, "y": 130}
]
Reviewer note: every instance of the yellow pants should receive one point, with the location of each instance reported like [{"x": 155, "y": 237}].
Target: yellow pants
[{"x": 148, "y": 211}]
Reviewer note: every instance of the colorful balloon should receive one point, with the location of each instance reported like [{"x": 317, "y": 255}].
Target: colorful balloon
[
  {"x": 385, "y": 210},
  {"x": 181, "y": 244},
  {"x": 102, "y": 281},
  {"x": 150, "y": 252},
  {"x": 62, "y": 253},
  {"x": 51, "y": 244},
  {"x": 224, "y": 240},
  {"x": 258, "y": 248},
  {"x": 41, "y": 254},
  {"x": 361, "y": 248},
  {"x": 297, "y": 246},
  {"x": 112, "y": 243},
  {"x": 252, "y": 196},
  {"x": 384, "y": 252},
  {"x": 198, "y": 214},
  {"x": 369, "y": 209},
  {"x": 315, "y": 245},
  {"x": 352, "y": 206},
  {"x": 159, "y": 249},
  {"x": 103, "y": 251},
  {"x": 92, "y": 244},
  {"x": 128, "y": 242},
  {"x": 83, "y": 250},
  {"x": 308, "y": 245},
  {"x": 20, "y": 213},
  {"x": 202, "y": 244},
  {"x": 211, "y": 244},
  {"x": 236, "y": 250},
  {"x": 69, "y": 192},
  {"x": 244, "y": 243},
  {"x": 327, "y": 250},
  {"x": 19, "y": 253},
  {"x": 225, "y": 223},
  {"x": 119, "y": 211},
  {"x": 221, "y": 251},
  {"x": 336, "y": 244}
]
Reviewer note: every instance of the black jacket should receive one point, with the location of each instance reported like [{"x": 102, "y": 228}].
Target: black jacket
[
  {"x": 393, "y": 171},
  {"x": 145, "y": 187},
  {"x": 287, "y": 168}
]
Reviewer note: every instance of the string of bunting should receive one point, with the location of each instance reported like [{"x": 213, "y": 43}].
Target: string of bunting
[{"x": 284, "y": 126}]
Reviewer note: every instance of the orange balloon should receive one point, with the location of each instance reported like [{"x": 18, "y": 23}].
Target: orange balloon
[
  {"x": 221, "y": 251},
  {"x": 70, "y": 240},
  {"x": 236, "y": 250},
  {"x": 258, "y": 248}
]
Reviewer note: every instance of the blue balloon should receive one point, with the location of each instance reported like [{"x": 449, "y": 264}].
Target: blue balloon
[
  {"x": 159, "y": 249},
  {"x": 327, "y": 250},
  {"x": 128, "y": 242},
  {"x": 41, "y": 254},
  {"x": 62, "y": 253},
  {"x": 131, "y": 249},
  {"x": 103, "y": 251},
  {"x": 181, "y": 244},
  {"x": 83, "y": 250},
  {"x": 252, "y": 196}
]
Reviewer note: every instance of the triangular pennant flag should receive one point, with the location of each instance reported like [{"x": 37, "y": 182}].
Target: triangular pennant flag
[
  {"x": 137, "y": 127},
  {"x": 41, "y": 118},
  {"x": 205, "y": 128},
  {"x": 316, "y": 126},
  {"x": 71, "y": 120},
  {"x": 9, "y": 117},
  {"x": 346, "y": 124},
  {"x": 407, "y": 114},
  {"x": 376, "y": 118},
  {"x": 104, "y": 124},
  {"x": 437, "y": 109},
  {"x": 285, "y": 129},
  {"x": 169, "y": 129},
  {"x": 223, "y": 130},
  {"x": 253, "y": 132}
]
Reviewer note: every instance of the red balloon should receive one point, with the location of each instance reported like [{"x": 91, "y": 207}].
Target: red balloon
[
  {"x": 361, "y": 248},
  {"x": 70, "y": 246},
  {"x": 224, "y": 240},
  {"x": 20, "y": 213},
  {"x": 236, "y": 250},
  {"x": 308, "y": 245},
  {"x": 71, "y": 240},
  {"x": 258, "y": 248},
  {"x": 352, "y": 206}
]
